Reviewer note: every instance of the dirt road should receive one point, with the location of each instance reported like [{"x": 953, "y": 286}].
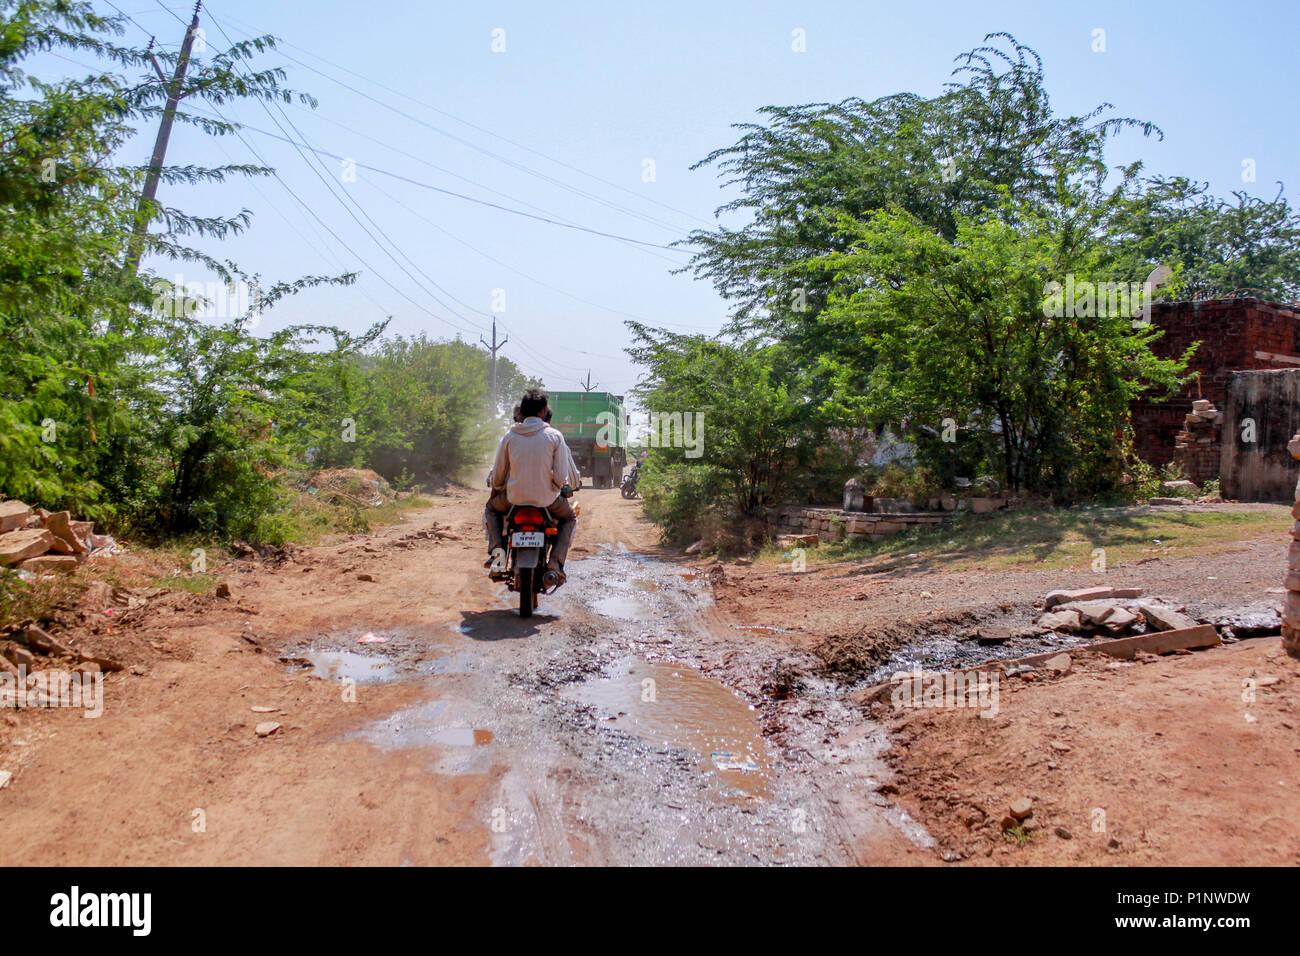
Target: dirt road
[{"x": 623, "y": 724}]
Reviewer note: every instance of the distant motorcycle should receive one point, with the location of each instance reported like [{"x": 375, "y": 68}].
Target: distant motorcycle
[{"x": 628, "y": 485}]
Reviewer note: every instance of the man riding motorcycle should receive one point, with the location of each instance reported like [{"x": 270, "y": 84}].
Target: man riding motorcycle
[{"x": 534, "y": 467}]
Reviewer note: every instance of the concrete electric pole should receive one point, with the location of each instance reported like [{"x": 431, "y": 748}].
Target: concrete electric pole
[
  {"x": 494, "y": 348},
  {"x": 174, "y": 96}
]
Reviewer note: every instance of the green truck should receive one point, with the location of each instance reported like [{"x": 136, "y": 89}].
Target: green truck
[{"x": 594, "y": 425}]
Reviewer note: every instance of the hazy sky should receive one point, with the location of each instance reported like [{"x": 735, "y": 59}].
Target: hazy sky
[{"x": 566, "y": 121}]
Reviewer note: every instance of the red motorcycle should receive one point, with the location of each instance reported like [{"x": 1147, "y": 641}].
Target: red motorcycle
[{"x": 530, "y": 533}]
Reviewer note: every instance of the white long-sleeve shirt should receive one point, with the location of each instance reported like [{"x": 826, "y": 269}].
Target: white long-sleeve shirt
[{"x": 533, "y": 462}]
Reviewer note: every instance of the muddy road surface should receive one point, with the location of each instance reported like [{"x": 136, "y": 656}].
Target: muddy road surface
[{"x": 423, "y": 722}]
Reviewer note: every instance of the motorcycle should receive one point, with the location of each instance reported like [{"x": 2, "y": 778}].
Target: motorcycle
[
  {"x": 529, "y": 536},
  {"x": 627, "y": 487},
  {"x": 530, "y": 533}
]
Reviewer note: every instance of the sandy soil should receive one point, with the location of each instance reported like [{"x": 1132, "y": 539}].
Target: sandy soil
[
  {"x": 658, "y": 710},
  {"x": 469, "y": 735},
  {"x": 1165, "y": 757},
  {"x": 1187, "y": 760}
]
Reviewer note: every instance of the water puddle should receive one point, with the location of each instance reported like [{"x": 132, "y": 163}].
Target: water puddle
[
  {"x": 460, "y": 736},
  {"x": 458, "y": 662},
  {"x": 622, "y": 606},
  {"x": 644, "y": 584},
  {"x": 349, "y": 665},
  {"x": 676, "y": 706},
  {"x": 433, "y": 722}
]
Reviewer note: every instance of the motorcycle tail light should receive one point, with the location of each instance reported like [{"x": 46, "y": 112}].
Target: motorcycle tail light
[{"x": 528, "y": 516}]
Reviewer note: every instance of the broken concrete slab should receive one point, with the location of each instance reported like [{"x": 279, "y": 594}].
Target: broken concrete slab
[
  {"x": 1059, "y": 665},
  {"x": 1063, "y": 620},
  {"x": 1069, "y": 597},
  {"x": 40, "y": 640},
  {"x": 1161, "y": 642},
  {"x": 1257, "y": 620},
  {"x": 59, "y": 524},
  {"x": 17, "y": 655},
  {"x": 1164, "y": 618},
  {"x": 49, "y": 563},
  {"x": 992, "y": 634},
  {"x": 1120, "y": 619},
  {"x": 27, "y": 543},
  {"x": 1096, "y": 613},
  {"x": 13, "y": 515}
]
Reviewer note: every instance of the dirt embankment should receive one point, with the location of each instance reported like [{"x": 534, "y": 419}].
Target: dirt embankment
[
  {"x": 174, "y": 773},
  {"x": 1187, "y": 759},
  {"x": 1183, "y": 759}
]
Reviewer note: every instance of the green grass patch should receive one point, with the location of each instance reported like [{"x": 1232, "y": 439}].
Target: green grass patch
[
  {"x": 307, "y": 519},
  {"x": 195, "y": 583},
  {"x": 1051, "y": 538}
]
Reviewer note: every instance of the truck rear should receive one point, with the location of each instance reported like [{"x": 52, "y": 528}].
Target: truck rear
[{"x": 593, "y": 425}]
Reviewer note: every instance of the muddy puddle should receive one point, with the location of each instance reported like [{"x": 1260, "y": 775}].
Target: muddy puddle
[
  {"x": 946, "y": 652},
  {"x": 675, "y": 707}
]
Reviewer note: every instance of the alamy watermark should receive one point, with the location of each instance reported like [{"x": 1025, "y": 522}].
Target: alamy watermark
[
  {"x": 53, "y": 688},
  {"x": 1084, "y": 299},
  {"x": 663, "y": 430},
  {"x": 974, "y": 689},
  {"x": 208, "y": 300}
]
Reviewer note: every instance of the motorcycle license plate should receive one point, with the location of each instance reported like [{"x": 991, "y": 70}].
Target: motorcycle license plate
[{"x": 527, "y": 539}]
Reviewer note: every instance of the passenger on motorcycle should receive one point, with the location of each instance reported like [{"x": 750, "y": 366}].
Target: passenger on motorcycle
[{"x": 534, "y": 467}]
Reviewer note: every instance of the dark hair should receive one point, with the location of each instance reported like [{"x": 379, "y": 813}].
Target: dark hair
[
  {"x": 516, "y": 414},
  {"x": 533, "y": 403}
]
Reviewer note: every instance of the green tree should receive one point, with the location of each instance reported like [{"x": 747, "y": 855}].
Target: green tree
[
  {"x": 990, "y": 135},
  {"x": 419, "y": 410},
  {"x": 759, "y": 433},
  {"x": 92, "y": 364},
  {"x": 966, "y": 338},
  {"x": 1246, "y": 247}
]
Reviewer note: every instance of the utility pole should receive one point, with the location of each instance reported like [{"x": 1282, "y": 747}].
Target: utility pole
[
  {"x": 587, "y": 386},
  {"x": 494, "y": 348},
  {"x": 174, "y": 96}
]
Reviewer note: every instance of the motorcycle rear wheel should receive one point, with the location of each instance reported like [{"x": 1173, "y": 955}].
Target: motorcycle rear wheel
[{"x": 527, "y": 600}]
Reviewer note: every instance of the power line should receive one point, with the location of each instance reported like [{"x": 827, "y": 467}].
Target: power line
[
  {"x": 174, "y": 14},
  {"x": 339, "y": 239},
  {"x": 481, "y": 129},
  {"x": 329, "y": 185},
  {"x": 481, "y": 202},
  {"x": 535, "y": 356},
  {"x": 505, "y": 265}
]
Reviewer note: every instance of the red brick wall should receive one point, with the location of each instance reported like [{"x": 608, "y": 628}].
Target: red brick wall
[{"x": 1230, "y": 331}]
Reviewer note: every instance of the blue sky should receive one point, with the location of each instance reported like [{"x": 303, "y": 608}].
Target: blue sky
[{"x": 604, "y": 87}]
